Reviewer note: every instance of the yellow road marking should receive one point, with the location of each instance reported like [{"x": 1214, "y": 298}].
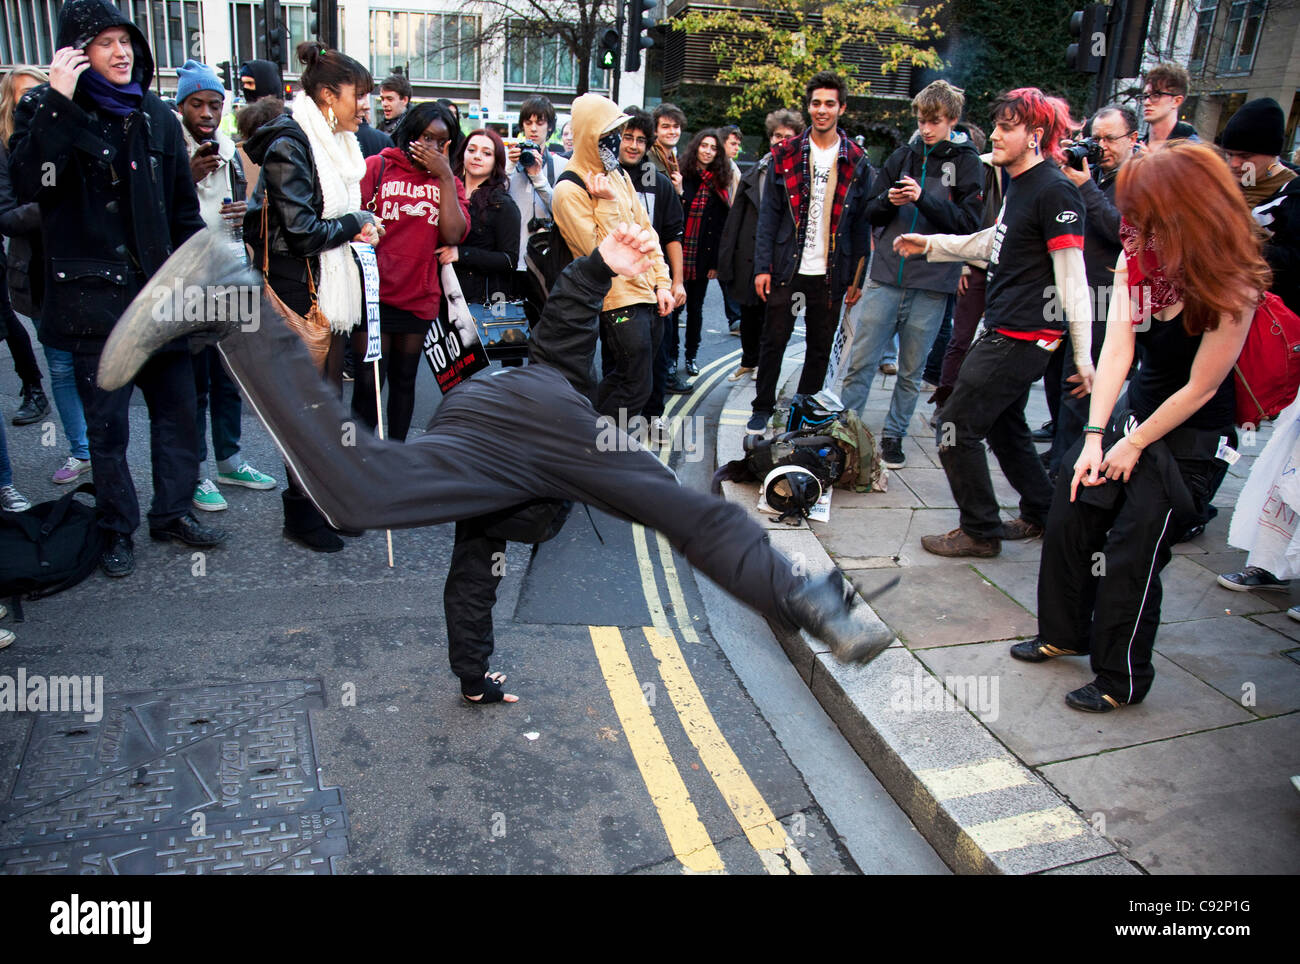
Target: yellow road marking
[
  {"x": 681, "y": 821},
  {"x": 965, "y": 781},
  {"x": 1025, "y": 829},
  {"x": 753, "y": 814}
]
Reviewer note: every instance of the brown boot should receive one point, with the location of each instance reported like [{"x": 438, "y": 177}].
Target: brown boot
[
  {"x": 1021, "y": 529},
  {"x": 958, "y": 543}
]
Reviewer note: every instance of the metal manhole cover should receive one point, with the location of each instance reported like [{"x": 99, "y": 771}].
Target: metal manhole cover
[{"x": 205, "y": 779}]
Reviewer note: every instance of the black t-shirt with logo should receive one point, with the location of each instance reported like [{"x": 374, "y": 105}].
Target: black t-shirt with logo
[{"x": 1042, "y": 213}]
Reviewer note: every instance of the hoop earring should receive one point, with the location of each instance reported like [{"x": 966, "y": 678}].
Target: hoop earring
[{"x": 333, "y": 121}]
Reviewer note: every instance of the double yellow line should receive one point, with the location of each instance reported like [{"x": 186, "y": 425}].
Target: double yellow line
[{"x": 687, "y": 835}]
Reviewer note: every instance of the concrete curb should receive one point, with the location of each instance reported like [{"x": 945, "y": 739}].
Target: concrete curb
[{"x": 978, "y": 805}]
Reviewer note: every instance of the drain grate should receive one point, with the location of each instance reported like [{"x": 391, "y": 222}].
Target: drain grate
[{"x": 207, "y": 779}]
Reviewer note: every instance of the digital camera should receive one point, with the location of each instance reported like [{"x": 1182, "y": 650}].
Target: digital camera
[{"x": 1088, "y": 149}]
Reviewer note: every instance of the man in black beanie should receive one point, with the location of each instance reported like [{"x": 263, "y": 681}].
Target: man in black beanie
[
  {"x": 260, "y": 78},
  {"x": 1252, "y": 143}
]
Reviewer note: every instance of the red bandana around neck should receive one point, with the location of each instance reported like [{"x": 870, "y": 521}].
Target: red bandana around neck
[{"x": 1150, "y": 290}]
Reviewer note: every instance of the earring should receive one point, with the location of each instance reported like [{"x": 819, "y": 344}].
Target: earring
[{"x": 333, "y": 121}]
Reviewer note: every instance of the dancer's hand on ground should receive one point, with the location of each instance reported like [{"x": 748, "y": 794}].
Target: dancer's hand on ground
[
  {"x": 1088, "y": 467},
  {"x": 626, "y": 250}
]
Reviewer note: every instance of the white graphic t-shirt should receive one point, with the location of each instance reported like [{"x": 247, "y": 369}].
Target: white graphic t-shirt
[{"x": 814, "y": 246}]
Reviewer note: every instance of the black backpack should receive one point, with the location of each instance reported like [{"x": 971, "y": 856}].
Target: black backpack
[
  {"x": 547, "y": 254},
  {"x": 51, "y": 547}
]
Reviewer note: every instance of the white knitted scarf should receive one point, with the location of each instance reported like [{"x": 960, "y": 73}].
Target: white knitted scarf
[{"x": 339, "y": 167}]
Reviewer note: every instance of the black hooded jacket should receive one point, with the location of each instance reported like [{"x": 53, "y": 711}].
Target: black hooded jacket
[
  {"x": 298, "y": 232},
  {"x": 267, "y": 81},
  {"x": 116, "y": 195}
]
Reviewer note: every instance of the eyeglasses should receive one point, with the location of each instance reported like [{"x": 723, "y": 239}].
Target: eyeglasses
[
  {"x": 1156, "y": 94},
  {"x": 1112, "y": 138}
]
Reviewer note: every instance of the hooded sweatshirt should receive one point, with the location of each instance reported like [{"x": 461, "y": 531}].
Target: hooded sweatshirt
[
  {"x": 408, "y": 200},
  {"x": 952, "y": 202},
  {"x": 584, "y": 220},
  {"x": 266, "y": 80}
]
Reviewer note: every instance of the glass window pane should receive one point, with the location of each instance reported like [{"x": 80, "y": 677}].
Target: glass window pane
[
  {"x": 380, "y": 43},
  {"x": 468, "y": 52},
  {"x": 532, "y": 62},
  {"x": 514, "y": 58},
  {"x": 442, "y": 33}
]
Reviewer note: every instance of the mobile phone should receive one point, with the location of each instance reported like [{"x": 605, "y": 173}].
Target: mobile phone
[
  {"x": 900, "y": 185},
  {"x": 207, "y": 147}
]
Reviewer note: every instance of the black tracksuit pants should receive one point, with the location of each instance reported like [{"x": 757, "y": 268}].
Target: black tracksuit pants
[{"x": 1099, "y": 579}]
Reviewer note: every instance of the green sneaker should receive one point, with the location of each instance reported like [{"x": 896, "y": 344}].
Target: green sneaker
[
  {"x": 248, "y": 477},
  {"x": 208, "y": 498}
]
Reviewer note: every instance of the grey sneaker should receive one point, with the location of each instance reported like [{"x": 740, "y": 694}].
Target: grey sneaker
[
  {"x": 1252, "y": 577},
  {"x": 11, "y": 500}
]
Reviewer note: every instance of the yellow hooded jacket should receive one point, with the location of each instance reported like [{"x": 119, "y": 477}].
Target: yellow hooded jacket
[{"x": 584, "y": 220}]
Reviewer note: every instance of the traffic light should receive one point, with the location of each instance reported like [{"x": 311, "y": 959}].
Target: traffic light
[
  {"x": 323, "y": 21},
  {"x": 640, "y": 21},
  {"x": 226, "y": 79},
  {"x": 608, "y": 53},
  {"x": 270, "y": 26},
  {"x": 1088, "y": 28}
]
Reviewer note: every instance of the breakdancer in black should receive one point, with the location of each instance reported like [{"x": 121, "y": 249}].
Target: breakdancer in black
[{"x": 497, "y": 444}]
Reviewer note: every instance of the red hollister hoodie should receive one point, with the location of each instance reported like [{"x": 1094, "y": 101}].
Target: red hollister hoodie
[{"x": 408, "y": 201}]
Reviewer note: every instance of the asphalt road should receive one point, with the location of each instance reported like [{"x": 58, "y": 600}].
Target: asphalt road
[{"x": 660, "y": 727}]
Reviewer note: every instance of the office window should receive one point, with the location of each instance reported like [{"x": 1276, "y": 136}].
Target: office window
[
  {"x": 428, "y": 46},
  {"x": 1241, "y": 36},
  {"x": 1206, "y": 11},
  {"x": 546, "y": 63},
  {"x": 27, "y": 31}
]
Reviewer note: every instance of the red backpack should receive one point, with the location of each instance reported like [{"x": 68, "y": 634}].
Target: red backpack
[{"x": 1268, "y": 369}]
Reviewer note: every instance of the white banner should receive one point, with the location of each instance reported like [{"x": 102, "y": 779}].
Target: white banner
[{"x": 370, "y": 283}]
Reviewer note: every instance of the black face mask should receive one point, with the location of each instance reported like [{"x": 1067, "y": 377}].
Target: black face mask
[{"x": 608, "y": 147}]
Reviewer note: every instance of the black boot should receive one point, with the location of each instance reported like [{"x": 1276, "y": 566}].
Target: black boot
[
  {"x": 824, "y": 607},
  {"x": 304, "y": 525},
  {"x": 34, "y": 405}
]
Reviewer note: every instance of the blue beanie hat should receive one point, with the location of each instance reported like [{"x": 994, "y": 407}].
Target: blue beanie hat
[{"x": 194, "y": 77}]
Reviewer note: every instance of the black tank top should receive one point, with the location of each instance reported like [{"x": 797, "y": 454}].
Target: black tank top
[{"x": 1167, "y": 352}]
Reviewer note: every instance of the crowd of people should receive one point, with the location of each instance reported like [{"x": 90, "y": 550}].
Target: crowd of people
[{"x": 1089, "y": 255}]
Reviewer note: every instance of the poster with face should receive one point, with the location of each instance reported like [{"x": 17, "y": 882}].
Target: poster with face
[{"x": 452, "y": 348}]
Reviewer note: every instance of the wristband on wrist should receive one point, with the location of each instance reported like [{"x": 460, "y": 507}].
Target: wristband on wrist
[{"x": 1093, "y": 430}]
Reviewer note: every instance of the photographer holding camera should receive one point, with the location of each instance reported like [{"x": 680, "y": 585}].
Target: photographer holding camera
[
  {"x": 533, "y": 170},
  {"x": 1092, "y": 164}
]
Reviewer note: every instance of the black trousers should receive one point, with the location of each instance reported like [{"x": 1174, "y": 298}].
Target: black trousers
[
  {"x": 215, "y": 392},
  {"x": 629, "y": 340},
  {"x": 167, "y": 383},
  {"x": 20, "y": 343},
  {"x": 751, "y": 333},
  {"x": 821, "y": 316},
  {"x": 988, "y": 402},
  {"x": 477, "y": 565},
  {"x": 494, "y": 443},
  {"x": 695, "y": 292},
  {"x": 1099, "y": 579},
  {"x": 659, "y": 373}
]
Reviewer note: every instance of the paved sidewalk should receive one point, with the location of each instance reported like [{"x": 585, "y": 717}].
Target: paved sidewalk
[{"x": 1194, "y": 780}]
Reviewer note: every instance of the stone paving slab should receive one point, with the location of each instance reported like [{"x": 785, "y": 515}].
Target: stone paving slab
[
  {"x": 1219, "y": 802},
  {"x": 1036, "y": 724},
  {"x": 1238, "y": 658},
  {"x": 1192, "y": 592},
  {"x": 852, "y": 535},
  {"x": 1280, "y": 622},
  {"x": 955, "y": 605}
]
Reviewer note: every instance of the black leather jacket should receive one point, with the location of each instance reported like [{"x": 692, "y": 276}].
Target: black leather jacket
[{"x": 298, "y": 232}]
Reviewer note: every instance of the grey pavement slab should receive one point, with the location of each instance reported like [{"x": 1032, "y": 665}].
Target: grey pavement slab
[
  {"x": 1241, "y": 659},
  {"x": 938, "y": 607},
  {"x": 1219, "y": 802},
  {"x": 1113, "y": 866},
  {"x": 1034, "y": 721},
  {"x": 1019, "y": 580},
  {"x": 854, "y": 535},
  {"x": 1280, "y": 622},
  {"x": 1192, "y": 592}
]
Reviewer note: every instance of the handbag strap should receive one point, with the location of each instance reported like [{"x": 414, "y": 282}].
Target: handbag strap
[{"x": 266, "y": 256}]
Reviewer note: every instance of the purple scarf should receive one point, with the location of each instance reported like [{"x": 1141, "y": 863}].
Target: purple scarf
[{"x": 119, "y": 99}]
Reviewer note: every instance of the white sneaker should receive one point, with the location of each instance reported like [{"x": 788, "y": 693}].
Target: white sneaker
[
  {"x": 6, "y": 637},
  {"x": 11, "y": 500}
]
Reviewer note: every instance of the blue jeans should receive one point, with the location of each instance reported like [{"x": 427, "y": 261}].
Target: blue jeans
[
  {"x": 6, "y": 470},
  {"x": 63, "y": 386},
  {"x": 914, "y": 316}
]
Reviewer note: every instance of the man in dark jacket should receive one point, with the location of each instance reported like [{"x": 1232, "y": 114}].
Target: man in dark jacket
[
  {"x": 559, "y": 449},
  {"x": 800, "y": 228},
  {"x": 739, "y": 235},
  {"x": 105, "y": 160},
  {"x": 934, "y": 184}
]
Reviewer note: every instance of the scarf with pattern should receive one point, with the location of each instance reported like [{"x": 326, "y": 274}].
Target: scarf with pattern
[{"x": 1150, "y": 289}]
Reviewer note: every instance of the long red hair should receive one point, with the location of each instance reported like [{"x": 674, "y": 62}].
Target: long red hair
[{"x": 1182, "y": 197}]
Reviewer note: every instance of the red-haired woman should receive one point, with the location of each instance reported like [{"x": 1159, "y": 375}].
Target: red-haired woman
[
  {"x": 1193, "y": 275},
  {"x": 706, "y": 175}
]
